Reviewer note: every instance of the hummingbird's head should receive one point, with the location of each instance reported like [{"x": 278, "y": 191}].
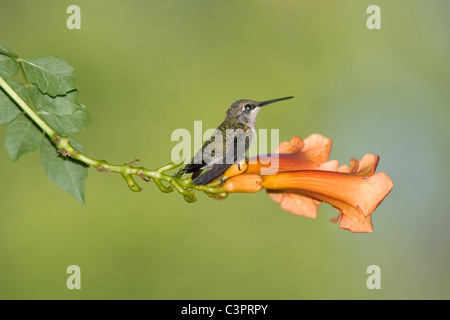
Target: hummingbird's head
[{"x": 245, "y": 111}]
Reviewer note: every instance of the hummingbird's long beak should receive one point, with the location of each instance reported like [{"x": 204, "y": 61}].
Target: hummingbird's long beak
[{"x": 264, "y": 103}]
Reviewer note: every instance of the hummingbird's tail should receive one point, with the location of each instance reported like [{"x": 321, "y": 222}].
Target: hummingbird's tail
[{"x": 195, "y": 168}]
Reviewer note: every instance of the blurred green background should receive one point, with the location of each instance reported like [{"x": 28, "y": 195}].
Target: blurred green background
[{"x": 146, "y": 68}]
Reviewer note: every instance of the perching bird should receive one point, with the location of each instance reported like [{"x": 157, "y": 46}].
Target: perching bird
[{"x": 229, "y": 142}]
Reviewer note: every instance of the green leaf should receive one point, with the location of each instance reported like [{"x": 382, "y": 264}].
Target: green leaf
[
  {"x": 8, "y": 66},
  {"x": 51, "y": 75},
  {"x": 59, "y": 105},
  {"x": 22, "y": 136},
  {"x": 67, "y": 173},
  {"x": 8, "y": 109},
  {"x": 69, "y": 124},
  {"x": 5, "y": 50}
]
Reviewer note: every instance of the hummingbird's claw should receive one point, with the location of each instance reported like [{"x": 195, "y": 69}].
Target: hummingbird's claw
[
  {"x": 221, "y": 180},
  {"x": 178, "y": 174}
]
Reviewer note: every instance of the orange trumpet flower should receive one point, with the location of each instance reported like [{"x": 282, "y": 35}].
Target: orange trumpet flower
[{"x": 305, "y": 178}]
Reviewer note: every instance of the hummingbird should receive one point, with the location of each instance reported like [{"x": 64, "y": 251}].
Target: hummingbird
[{"x": 229, "y": 142}]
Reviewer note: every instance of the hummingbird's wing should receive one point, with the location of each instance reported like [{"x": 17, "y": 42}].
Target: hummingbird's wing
[
  {"x": 204, "y": 158},
  {"x": 216, "y": 171},
  {"x": 235, "y": 143}
]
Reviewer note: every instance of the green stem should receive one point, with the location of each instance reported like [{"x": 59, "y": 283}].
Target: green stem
[
  {"x": 25, "y": 108},
  {"x": 183, "y": 186}
]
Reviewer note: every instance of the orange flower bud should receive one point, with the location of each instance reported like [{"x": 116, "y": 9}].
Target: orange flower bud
[
  {"x": 246, "y": 183},
  {"x": 235, "y": 170}
]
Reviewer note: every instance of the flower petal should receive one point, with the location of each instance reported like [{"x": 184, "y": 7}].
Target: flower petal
[
  {"x": 316, "y": 148},
  {"x": 355, "y": 196},
  {"x": 295, "y": 203},
  {"x": 294, "y": 146}
]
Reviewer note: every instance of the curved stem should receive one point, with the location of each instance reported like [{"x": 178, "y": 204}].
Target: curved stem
[{"x": 184, "y": 186}]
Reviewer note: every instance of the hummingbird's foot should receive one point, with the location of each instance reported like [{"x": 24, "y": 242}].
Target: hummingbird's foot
[
  {"x": 222, "y": 181},
  {"x": 239, "y": 163},
  {"x": 178, "y": 174}
]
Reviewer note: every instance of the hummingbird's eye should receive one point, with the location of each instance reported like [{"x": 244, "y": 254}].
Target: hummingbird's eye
[{"x": 248, "y": 107}]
